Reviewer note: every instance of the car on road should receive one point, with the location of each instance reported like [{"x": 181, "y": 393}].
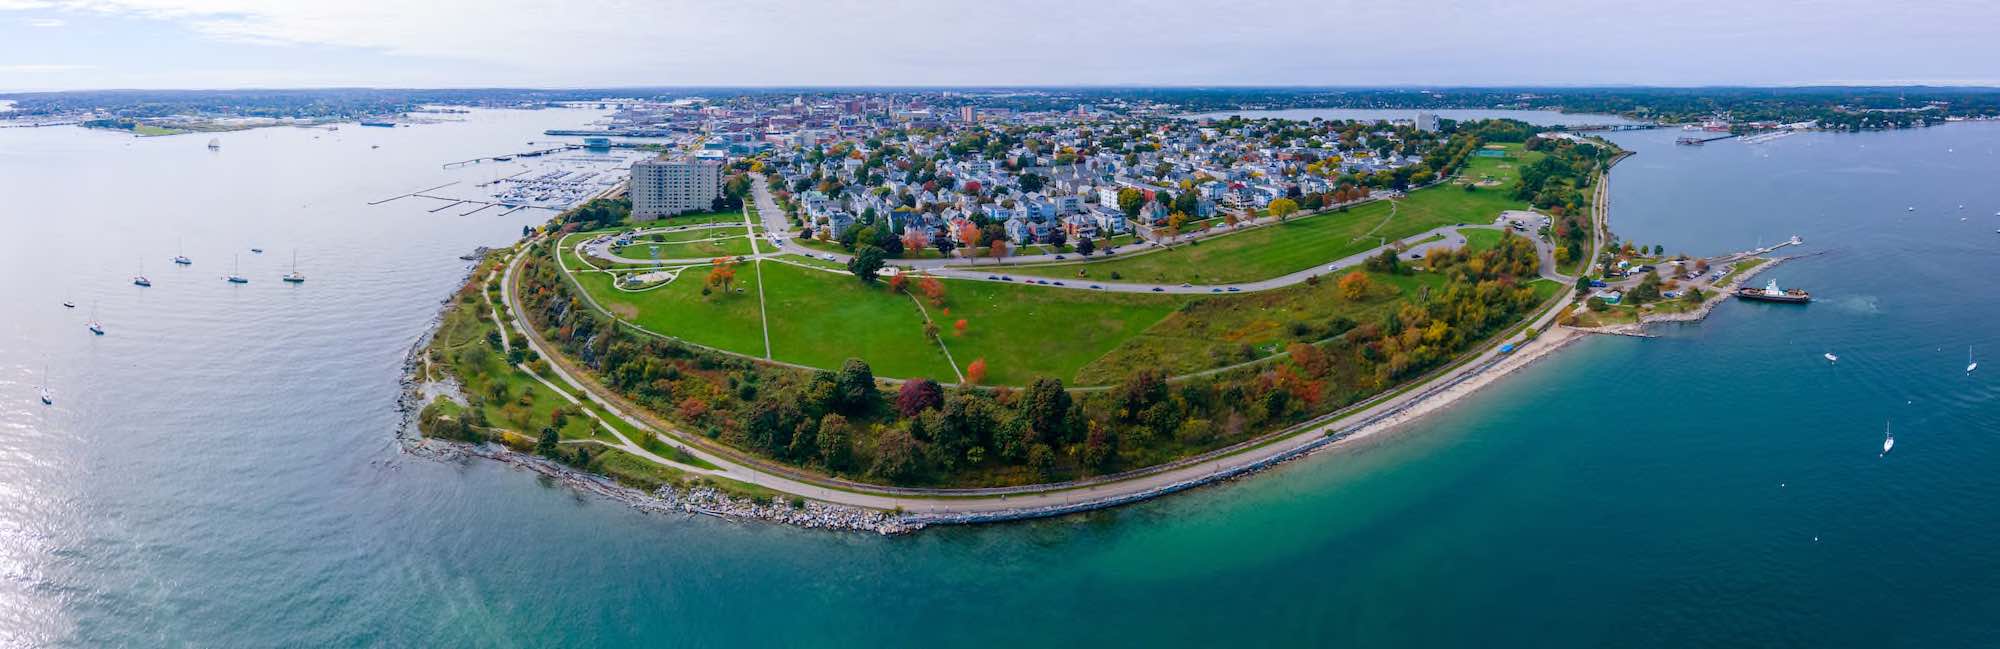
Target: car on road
[
  {"x": 1186, "y": 285},
  {"x": 1157, "y": 289},
  {"x": 1061, "y": 257},
  {"x": 828, "y": 257},
  {"x": 1233, "y": 289},
  {"x": 1332, "y": 267},
  {"x": 1097, "y": 287},
  {"x": 1215, "y": 290},
  {"x": 1107, "y": 253},
  {"x": 1598, "y": 283},
  {"x": 1005, "y": 278},
  {"x": 992, "y": 277},
  {"x": 1059, "y": 283}
]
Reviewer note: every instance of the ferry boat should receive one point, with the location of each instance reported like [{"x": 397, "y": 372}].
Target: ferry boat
[{"x": 1771, "y": 293}]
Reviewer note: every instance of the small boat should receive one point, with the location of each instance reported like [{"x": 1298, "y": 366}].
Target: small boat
[
  {"x": 256, "y": 251},
  {"x": 69, "y": 304},
  {"x": 180, "y": 257},
  {"x": 234, "y": 277},
  {"x": 215, "y": 144},
  {"x": 48, "y": 395},
  {"x": 1912, "y": 208},
  {"x": 1970, "y": 364},
  {"x": 140, "y": 279},
  {"x": 1830, "y": 358},
  {"x": 1888, "y": 439},
  {"x": 295, "y": 276}
]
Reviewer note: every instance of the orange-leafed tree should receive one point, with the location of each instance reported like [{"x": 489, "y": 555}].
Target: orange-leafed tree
[
  {"x": 914, "y": 241},
  {"x": 975, "y": 373},
  {"x": 958, "y": 328},
  {"x": 933, "y": 289},
  {"x": 1354, "y": 285},
  {"x": 722, "y": 274},
  {"x": 898, "y": 283}
]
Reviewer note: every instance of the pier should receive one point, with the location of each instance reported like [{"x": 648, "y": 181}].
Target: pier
[
  {"x": 510, "y": 156},
  {"x": 1698, "y": 141}
]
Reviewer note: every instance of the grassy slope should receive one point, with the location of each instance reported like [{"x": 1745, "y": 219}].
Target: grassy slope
[
  {"x": 821, "y": 319},
  {"x": 723, "y": 320},
  {"x": 1305, "y": 242},
  {"x": 1025, "y": 332}
]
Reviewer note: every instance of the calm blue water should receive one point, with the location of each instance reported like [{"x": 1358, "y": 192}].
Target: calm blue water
[{"x": 221, "y": 470}]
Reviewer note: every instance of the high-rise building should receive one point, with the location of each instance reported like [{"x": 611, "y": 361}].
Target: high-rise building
[
  {"x": 1427, "y": 122},
  {"x": 663, "y": 187},
  {"x": 968, "y": 114}
]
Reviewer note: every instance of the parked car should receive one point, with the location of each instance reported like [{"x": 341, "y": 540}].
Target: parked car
[{"x": 1061, "y": 257}]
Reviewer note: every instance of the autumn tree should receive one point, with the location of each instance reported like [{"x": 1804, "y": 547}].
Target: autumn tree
[
  {"x": 958, "y": 328},
  {"x": 899, "y": 283},
  {"x": 975, "y": 373},
  {"x": 932, "y": 289},
  {"x": 1354, "y": 285},
  {"x": 918, "y": 395},
  {"x": 1174, "y": 223},
  {"x": 1283, "y": 207},
  {"x": 722, "y": 274},
  {"x": 998, "y": 249},
  {"x": 914, "y": 240}
]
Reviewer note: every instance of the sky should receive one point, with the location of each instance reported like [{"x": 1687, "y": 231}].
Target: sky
[{"x": 91, "y": 44}]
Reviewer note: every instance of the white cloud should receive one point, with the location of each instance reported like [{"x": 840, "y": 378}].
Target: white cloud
[
  {"x": 46, "y": 22},
  {"x": 24, "y": 5}
]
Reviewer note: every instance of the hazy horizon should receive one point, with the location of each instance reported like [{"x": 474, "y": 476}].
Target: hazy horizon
[{"x": 52, "y": 45}]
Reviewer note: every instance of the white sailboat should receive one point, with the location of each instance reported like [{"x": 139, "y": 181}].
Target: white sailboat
[
  {"x": 140, "y": 279},
  {"x": 179, "y": 255},
  {"x": 295, "y": 276},
  {"x": 215, "y": 144},
  {"x": 1888, "y": 439},
  {"x": 1970, "y": 364},
  {"x": 1830, "y": 358},
  {"x": 93, "y": 325},
  {"x": 234, "y": 277},
  {"x": 48, "y": 394}
]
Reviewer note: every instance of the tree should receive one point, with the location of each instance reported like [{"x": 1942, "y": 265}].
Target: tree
[
  {"x": 914, "y": 240},
  {"x": 1046, "y": 406},
  {"x": 1354, "y": 286},
  {"x": 722, "y": 274},
  {"x": 547, "y": 444},
  {"x": 899, "y": 283},
  {"x": 1129, "y": 202},
  {"x": 932, "y": 289},
  {"x": 1174, "y": 223},
  {"x": 958, "y": 328},
  {"x": 975, "y": 373},
  {"x": 998, "y": 249},
  {"x": 835, "y": 441},
  {"x": 1283, "y": 207},
  {"x": 1659, "y": 250},
  {"x": 918, "y": 395},
  {"x": 854, "y": 387},
  {"x": 866, "y": 263},
  {"x": 1085, "y": 246}
]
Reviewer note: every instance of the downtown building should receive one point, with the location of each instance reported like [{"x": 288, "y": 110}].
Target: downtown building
[{"x": 664, "y": 187}]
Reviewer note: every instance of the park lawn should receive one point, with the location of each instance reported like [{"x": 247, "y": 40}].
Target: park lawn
[
  {"x": 1024, "y": 332},
  {"x": 1249, "y": 255},
  {"x": 735, "y": 246},
  {"x": 822, "y": 246},
  {"x": 728, "y": 321},
  {"x": 822, "y": 319},
  {"x": 1211, "y": 332},
  {"x": 813, "y": 262},
  {"x": 694, "y": 218},
  {"x": 694, "y": 234},
  {"x": 1480, "y": 239}
]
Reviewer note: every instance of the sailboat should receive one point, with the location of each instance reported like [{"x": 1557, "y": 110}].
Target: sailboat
[
  {"x": 233, "y": 277},
  {"x": 1970, "y": 364},
  {"x": 179, "y": 257},
  {"x": 48, "y": 395},
  {"x": 140, "y": 279},
  {"x": 295, "y": 276},
  {"x": 93, "y": 325},
  {"x": 1888, "y": 439},
  {"x": 215, "y": 144}
]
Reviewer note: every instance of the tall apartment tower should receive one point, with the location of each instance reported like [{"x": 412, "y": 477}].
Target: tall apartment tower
[{"x": 663, "y": 187}]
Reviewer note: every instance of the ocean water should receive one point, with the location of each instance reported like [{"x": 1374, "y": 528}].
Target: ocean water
[
  {"x": 1536, "y": 117},
  {"x": 221, "y": 468}
]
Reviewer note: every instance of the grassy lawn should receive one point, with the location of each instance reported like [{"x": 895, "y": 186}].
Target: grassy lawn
[
  {"x": 1212, "y": 332},
  {"x": 1304, "y": 242},
  {"x": 512, "y": 399},
  {"x": 693, "y": 218},
  {"x": 149, "y": 130},
  {"x": 696, "y": 234},
  {"x": 730, "y": 247},
  {"x": 1480, "y": 239},
  {"x": 822, "y": 319},
  {"x": 723, "y": 320},
  {"x": 1024, "y": 332}
]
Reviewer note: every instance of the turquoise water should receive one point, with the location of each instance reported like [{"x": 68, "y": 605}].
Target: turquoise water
[{"x": 221, "y": 470}]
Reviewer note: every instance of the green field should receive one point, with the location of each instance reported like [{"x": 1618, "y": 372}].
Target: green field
[
  {"x": 1480, "y": 239},
  {"x": 725, "y": 320},
  {"x": 822, "y": 319},
  {"x": 519, "y": 403},
  {"x": 1305, "y": 242},
  {"x": 1024, "y": 332},
  {"x": 707, "y": 248}
]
